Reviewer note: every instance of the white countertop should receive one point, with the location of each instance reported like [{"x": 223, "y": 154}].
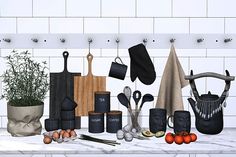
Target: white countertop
[{"x": 225, "y": 143}]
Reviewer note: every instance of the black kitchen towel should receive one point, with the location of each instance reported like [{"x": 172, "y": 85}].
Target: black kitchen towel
[{"x": 141, "y": 65}]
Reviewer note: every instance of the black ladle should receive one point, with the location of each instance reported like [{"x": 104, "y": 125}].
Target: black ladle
[
  {"x": 123, "y": 100},
  {"x": 136, "y": 96},
  {"x": 146, "y": 98}
]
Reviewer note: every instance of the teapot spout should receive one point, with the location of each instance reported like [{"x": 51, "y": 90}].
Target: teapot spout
[{"x": 192, "y": 103}]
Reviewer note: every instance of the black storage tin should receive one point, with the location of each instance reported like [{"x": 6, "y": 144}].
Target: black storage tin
[
  {"x": 102, "y": 101},
  {"x": 96, "y": 122},
  {"x": 114, "y": 121}
]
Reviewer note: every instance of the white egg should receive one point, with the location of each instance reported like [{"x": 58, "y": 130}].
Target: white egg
[
  {"x": 120, "y": 134},
  {"x": 127, "y": 128},
  {"x": 128, "y": 137}
]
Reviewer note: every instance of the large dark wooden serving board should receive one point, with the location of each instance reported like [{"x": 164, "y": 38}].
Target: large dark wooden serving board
[{"x": 61, "y": 86}]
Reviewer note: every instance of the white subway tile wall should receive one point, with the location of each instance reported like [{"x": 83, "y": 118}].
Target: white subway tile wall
[
  {"x": 171, "y": 25},
  {"x": 32, "y": 25},
  {"x": 66, "y": 25},
  {"x": 8, "y": 25},
  {"x": 118, "y": 8},
  {"x": 83, "y": 8},
  {"x": 126, "y": 16},
  {"x": 189, "y": 8},
  {"x": 206, "y": 25},
  {"x": 136, "y": 25},
  {"x": 153, "y": 8},
  {"x": 14, "y": 8},
  {"x": 221, "y": 8},
  {"x": 45, "y": 8}
]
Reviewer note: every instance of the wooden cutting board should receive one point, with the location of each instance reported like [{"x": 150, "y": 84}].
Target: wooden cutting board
[
  {"x": 61, "y": 85},
  {"x": 84, "y": 88}
]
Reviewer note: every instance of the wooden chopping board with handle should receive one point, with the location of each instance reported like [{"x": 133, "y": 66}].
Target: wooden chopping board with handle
[
  {"x": 84, "y": 88},
  {"x": 61, "y": 86}
]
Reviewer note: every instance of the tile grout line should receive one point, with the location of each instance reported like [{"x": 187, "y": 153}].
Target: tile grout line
[
  {"x": 118, "y": 25},
  {"x": 224, "y": 24},
  {"x": 32, "y": 8},
  {"x": 100, "y": 8},
  {"x": 224, "y": 65},
  {"x": 153, "y": 25},
  {"x": 189, "y": 65},
  {"x": 49, "y": 31},
  {"x": 136, "y": 9},
  {"x": 161, "y": 17},
  {"x": 83, "y": 25},
  {"x": 172, "y": 6},
  {"x": 49, "y": 63},
  {"x": 189, "y": 25},
  {"x": 207, "y": 8},
  {"x": 65, "y": 8},
  {"x": 16, "y": 25}
]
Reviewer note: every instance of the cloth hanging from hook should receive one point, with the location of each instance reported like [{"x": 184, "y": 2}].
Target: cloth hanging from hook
[{"x": 172, "y": 82}]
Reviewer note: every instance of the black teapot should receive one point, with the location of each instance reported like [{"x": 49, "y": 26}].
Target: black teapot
[{"x": 208, "y": 107}]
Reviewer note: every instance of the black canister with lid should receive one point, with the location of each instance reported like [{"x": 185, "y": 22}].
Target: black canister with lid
[
  {"x": 96, "y": 122},
  {"x": 114, "y": 121},
  {"x": 102, "y": 101}
]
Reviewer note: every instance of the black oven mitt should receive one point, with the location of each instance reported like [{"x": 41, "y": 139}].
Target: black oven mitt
[{"x": 141, "y": 65}]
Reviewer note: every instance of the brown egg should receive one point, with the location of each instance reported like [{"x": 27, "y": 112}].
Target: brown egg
[
  {"x": 47, "y": 140},
  {"x": 68, "y": 130},
  {"x": 62, "y": 132},
  {"x": 73, "y": 133},
  {"x": 55, "y": 136},
  {"x": 66, "y": 135}
]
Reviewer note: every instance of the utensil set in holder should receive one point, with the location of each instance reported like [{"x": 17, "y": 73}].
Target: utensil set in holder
[{"x": 124, "y": 99}]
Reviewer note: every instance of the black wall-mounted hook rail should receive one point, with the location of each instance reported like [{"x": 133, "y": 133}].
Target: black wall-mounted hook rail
[
  {"x": 200, "y": 40},
  {"x": 172, "y": 40},
  {"x": 63, "y": 40},
  {"x": 228, "y": 40},
  {"x": 35, "y": 40},
  {"x": 7, "y": 40}
]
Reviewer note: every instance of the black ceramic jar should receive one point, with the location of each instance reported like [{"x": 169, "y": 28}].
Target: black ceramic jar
[
  {"x": 102, "y": 101},
  {"x": 114, "y": 121},
  {"x": 96, "y": 122}
]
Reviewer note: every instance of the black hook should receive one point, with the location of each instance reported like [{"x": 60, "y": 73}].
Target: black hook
[
  {"x": 7, "y": 40},
  {"x": 200, "y": 40},
  {"x": 228, "y": 40},
  {"x": 172, "y": 40},
  {"x": 63, "y": 40},
  {"x": 145, "y": 40},
  {"x": 117, "y": 40},
  {"x": 35, "y": 40},
  {"x": 90, "y": 40}
]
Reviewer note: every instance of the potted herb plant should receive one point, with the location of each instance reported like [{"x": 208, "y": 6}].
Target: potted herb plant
[{"x": 25, "y": 87}]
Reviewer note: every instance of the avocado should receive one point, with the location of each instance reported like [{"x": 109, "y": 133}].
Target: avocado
[
  {"x": 147, "y": 133},
  {"x": 160, "y": 134}
]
